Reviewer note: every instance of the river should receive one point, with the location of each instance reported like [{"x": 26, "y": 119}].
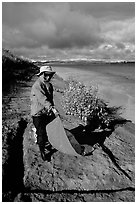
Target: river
[{"x": 115, "y": 82}]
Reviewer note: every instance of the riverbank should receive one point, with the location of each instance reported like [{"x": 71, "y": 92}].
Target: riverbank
[{"x": 106, "y": 174}]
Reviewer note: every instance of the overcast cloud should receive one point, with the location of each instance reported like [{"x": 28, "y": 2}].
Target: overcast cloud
[{"x": 69, "y": 30}]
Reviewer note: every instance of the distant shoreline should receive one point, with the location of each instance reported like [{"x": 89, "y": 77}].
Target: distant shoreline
[{"x": 80, "y": 62}]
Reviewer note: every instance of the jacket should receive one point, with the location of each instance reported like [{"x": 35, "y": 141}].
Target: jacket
[{"x": 41, "y": 98}]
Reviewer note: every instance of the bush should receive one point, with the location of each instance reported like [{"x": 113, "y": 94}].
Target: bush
[{"x": 82, "y": 101}]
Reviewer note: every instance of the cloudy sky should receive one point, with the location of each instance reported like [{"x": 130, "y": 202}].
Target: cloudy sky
[{"x": 48, "y": 30}]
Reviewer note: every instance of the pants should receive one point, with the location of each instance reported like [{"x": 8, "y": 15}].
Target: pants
[{"x": 40, "y": 123}]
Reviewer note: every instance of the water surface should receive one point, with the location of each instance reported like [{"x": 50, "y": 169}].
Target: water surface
[{"x": 115, "y": 82}]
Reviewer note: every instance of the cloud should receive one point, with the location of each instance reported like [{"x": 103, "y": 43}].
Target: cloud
[
  {"x": 114, "y": 51},
  {"x": 120, "y": 45},
  {"x": 56, "y": 30},
  {"x": 14, "y": 38},
  {"x": 56, "y": 27},
  {"x": 101, "y": 10},
  {"x": 119, "y": 31}
]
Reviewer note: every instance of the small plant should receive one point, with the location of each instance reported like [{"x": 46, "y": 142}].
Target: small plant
[{"x": 82, "y": 101}]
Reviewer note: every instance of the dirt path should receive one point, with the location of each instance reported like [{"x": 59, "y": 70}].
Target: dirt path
[{"x": 105, "y": 174}]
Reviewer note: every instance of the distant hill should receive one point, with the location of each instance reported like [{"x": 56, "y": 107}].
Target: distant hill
[{"x": 15, "y": 69}]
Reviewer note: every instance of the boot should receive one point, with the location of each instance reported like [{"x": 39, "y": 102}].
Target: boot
[{"x": 44, "y": 154}]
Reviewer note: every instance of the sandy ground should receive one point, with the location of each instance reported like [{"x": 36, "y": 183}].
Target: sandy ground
[{"x": 114, "y": 89}]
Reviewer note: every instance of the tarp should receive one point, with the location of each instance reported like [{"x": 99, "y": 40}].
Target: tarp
[{"x": 58, "y": 138}]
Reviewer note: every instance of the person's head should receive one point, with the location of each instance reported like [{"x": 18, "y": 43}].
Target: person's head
[{"x": 46, "y": 73}]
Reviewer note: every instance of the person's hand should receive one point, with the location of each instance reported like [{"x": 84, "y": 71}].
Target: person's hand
[{"x": 55, "y": 112}]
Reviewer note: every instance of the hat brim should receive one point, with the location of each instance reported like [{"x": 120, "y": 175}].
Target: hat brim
[{"x": 48, "y": 73}]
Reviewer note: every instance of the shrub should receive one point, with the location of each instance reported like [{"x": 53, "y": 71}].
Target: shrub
[{"x": 82, "y": 101}]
